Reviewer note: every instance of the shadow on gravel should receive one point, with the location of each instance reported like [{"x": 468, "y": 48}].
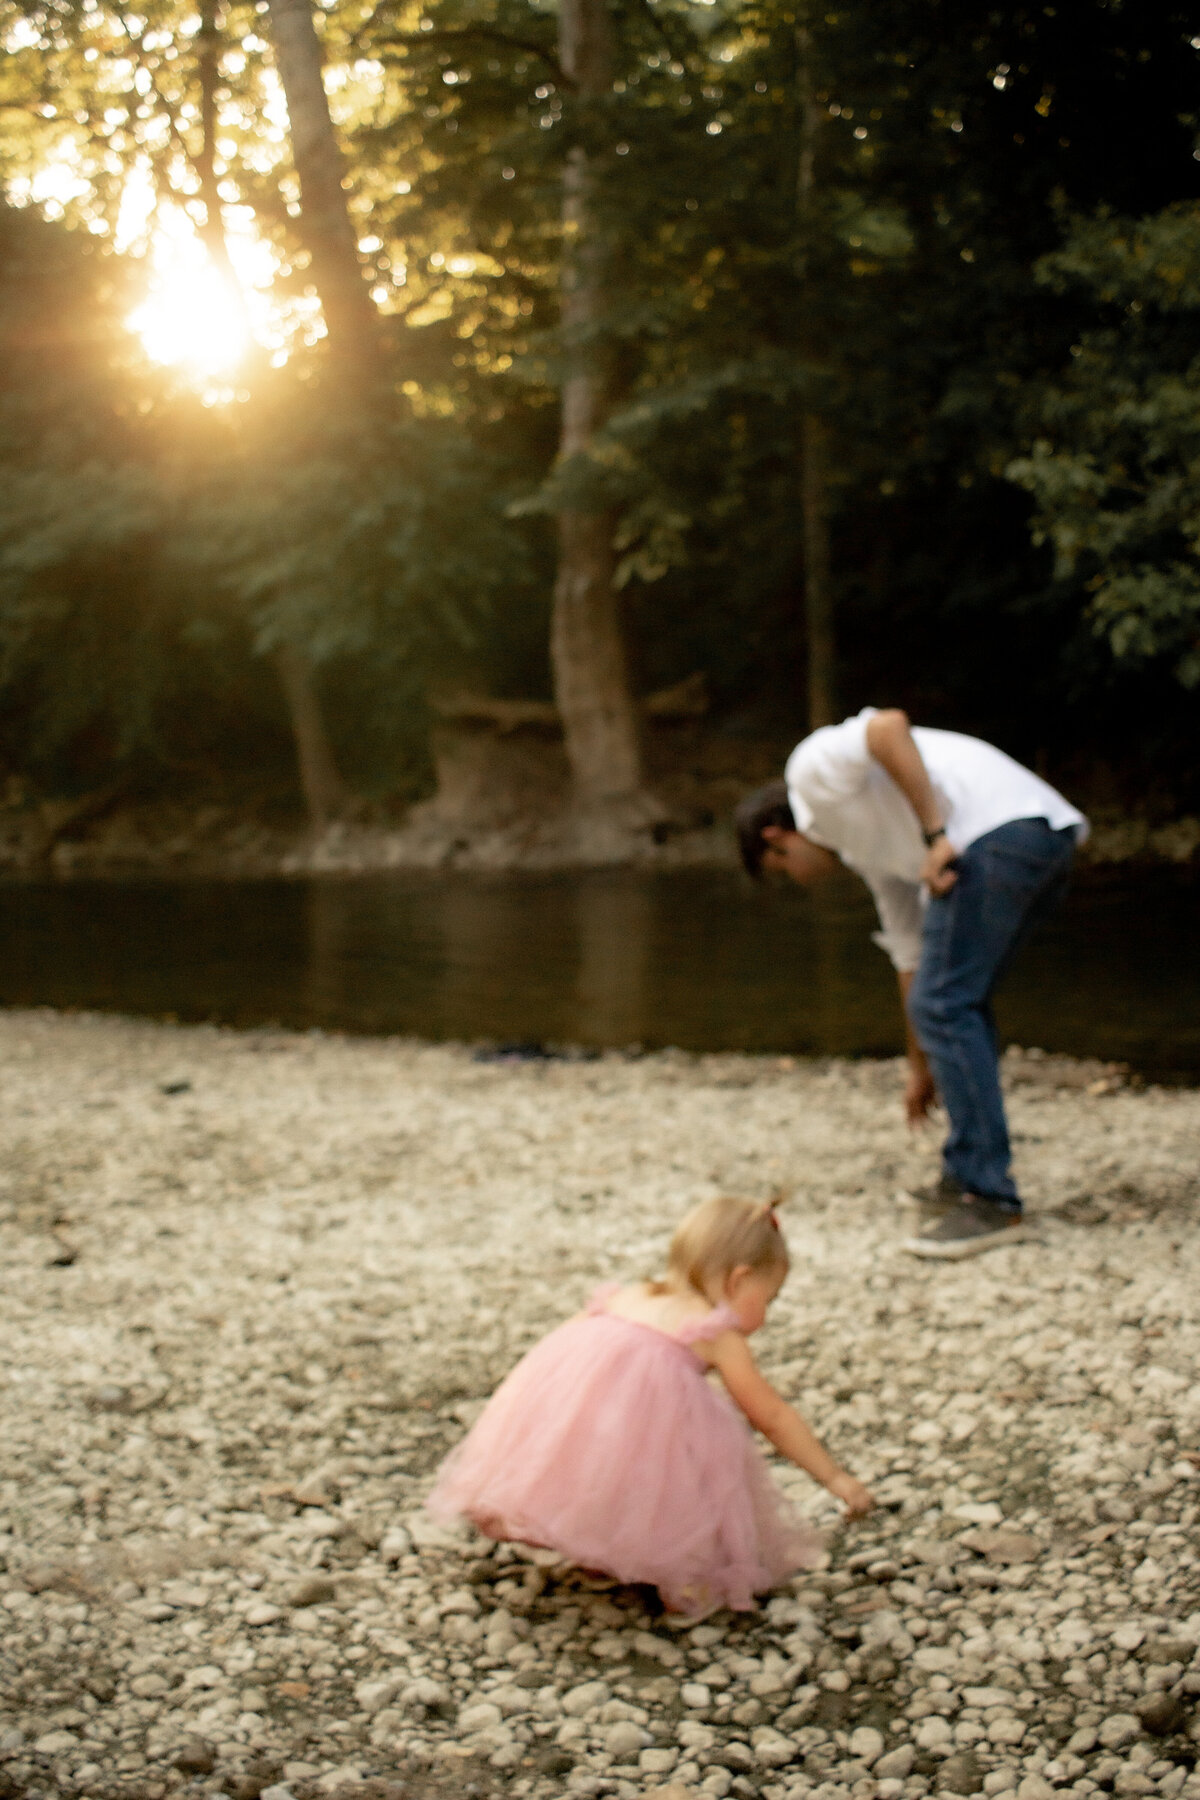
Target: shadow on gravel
[{"x": 1126, "y": 1204}]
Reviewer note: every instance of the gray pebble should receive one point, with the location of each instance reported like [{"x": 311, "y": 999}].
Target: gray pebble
[
  {"x": 897, "y": 1764},
  {"x": 624, "y": 1741},
  {"x": 1118, "y": 1730}
]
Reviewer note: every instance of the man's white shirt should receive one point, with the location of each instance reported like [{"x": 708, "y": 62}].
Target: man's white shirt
[{"x": 847, "y": 802}]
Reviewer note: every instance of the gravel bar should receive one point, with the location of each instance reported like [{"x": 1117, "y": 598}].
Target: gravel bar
[{"x": 257, "y": 1284}]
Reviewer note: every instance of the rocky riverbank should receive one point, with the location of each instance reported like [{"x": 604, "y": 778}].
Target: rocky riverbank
[
  {"x": 256, "y": 1285},
  {"x": 228, "y": 844},
  {"x": 484, "y": 818}
]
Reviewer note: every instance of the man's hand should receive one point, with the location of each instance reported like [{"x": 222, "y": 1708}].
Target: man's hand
[
  {"x": 936, "y": 871},
  {"x": 920, "y": 1094}
]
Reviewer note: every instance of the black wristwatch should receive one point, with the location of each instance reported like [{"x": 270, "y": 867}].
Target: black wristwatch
[{"x": 931, "y": 837}]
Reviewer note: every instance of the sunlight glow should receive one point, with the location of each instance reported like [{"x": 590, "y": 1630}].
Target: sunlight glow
[
  {"x": 190, "y": 316},
  {"x": 191, "y": 320}
]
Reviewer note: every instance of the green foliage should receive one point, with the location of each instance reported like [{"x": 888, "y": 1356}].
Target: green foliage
[
  {"x": 78, "y": 496},
  {"x": 112, "y": 95},
  {"x": 151, "y": 548},
  {"x": 391, "y": 543},
  {"x": 1115, "y": 469},
  {"x": 153, "y": 551}
]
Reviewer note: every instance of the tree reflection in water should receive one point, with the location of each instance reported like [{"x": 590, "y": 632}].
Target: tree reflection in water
[{"x": 615, "y": 923}]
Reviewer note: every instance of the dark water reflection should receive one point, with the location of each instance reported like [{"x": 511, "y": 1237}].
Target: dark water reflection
[{"x": 697, "y": 959}]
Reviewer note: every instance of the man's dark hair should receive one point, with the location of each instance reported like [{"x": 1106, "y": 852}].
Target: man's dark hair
[{"x": 767, "y": 805}]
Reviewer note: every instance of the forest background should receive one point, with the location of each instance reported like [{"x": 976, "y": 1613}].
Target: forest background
[{"x": 766, "y": 359}]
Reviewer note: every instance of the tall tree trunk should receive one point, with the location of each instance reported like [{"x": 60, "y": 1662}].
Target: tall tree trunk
[
  {"x": 587, "y": 646},
  {"x": 352, "y": 328},
  {"x": 325, "y": 793},
  {"x": 325, "y": 223},
  {"x": 818, "y": 600},
  {"x": 818, "y": 595}
]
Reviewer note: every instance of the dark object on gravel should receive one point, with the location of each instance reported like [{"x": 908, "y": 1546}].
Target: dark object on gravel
[
  {"x": 260, "y": 1773},
  {"x": 317, "y": 1590},
  {"x": 556, "y": 1762},
  {"x": 960, "y": 1774},
  {"x": 1163, "y": 1713},
  {"x": 533, "y": 1050},
  {"x": 194, "y": 1758}
]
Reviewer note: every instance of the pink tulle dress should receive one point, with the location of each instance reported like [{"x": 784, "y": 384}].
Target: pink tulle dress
[{"x": 608, "y": 1445}]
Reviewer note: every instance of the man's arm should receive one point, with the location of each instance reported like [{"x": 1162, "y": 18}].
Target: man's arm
[
  {"x": 900, "y": 915},
  {"x": 891, "y": 743},
  {"x": 920, "y": 1091}
]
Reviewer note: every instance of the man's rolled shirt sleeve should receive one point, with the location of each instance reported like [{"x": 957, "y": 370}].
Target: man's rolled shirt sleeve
[{"x": 901, "y": 909}]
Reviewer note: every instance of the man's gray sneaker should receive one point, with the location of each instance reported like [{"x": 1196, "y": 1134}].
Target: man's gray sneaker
[
  {"x": 933, "y": 1199},
  {"x": 968, "y": 1229}
]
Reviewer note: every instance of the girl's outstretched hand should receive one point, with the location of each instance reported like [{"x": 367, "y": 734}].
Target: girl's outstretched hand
[{"x": 857, "y": 1499}]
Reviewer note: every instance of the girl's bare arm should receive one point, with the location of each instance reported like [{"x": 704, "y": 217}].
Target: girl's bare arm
[{"x": 770, "y": 1413}]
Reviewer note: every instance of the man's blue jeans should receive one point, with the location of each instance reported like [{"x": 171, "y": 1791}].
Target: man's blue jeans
[{"x": 1007, "y": 880}]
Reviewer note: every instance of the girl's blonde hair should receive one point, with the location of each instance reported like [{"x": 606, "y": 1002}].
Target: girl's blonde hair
[{"x": 721, "y": 1235}]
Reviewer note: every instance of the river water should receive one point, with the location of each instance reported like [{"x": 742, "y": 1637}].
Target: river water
[{"x": 698, "y": 959}]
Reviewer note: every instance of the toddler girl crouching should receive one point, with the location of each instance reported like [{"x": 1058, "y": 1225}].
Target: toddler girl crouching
[{"x": 608, "y": 1444}]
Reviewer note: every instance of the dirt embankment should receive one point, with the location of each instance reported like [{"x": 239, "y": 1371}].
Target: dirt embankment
[
  {"x": 502, "y": 800},
  {"x": 483, "y": 818}
]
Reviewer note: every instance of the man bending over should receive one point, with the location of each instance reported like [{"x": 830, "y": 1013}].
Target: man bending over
[{"x": 963, "y": 850}]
